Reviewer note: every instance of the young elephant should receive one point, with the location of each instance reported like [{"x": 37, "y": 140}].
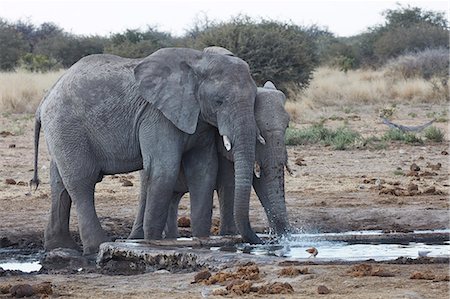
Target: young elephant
[
  {"x": 109, "y": 115},
  {"x": 268, "y": 182}
]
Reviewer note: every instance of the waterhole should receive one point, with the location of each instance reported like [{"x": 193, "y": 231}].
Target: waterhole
[{"x": 354, "y": 246}]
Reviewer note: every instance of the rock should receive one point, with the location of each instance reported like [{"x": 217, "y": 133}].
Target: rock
[
  {"x": 122, "y": 267},
  {"x": 434, "y": 167},
  {"x": 323, "y": 290},
  {"x": 22, "y": 183},
  {"x": 43, "y": 288},
  {"x": 201, "y": 276},
  {"x": 126, "y": 183},
  {"x": 275, "y": 288},
  {"x": 414, "y": 167},
  {"x": 291, "y": 271},
  {"x": 6, "y": 133},
  {"x": 22, "y": 290},
  {"x": 12, "y": 145},
  {"x": 445, "y": 153},
  {"x": 184, "y": 222},
  {"x": 412, "y": 187},
  {"x": 10, "y": 181},
  {"x": 300, "y": 161},
  {"x": 412, "y": 173},
  {"x": 4, "y": 289},
  {"x": 63, "y": 258}
]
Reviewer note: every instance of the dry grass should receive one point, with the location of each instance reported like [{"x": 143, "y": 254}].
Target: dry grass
[
  {"x": 22, "y": 91},
  {"x": 331, "y": 87}
]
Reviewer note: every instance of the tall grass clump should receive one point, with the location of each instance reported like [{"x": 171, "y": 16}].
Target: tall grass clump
[
  {"x": 22, "y": 91},
  {"x": 399, "y": 135},
  {"x": 434, "y": 134}
]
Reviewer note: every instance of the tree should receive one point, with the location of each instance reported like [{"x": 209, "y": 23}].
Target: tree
[
  {"x": 12, "y": 46},
  {"x": 280, "y": 52}
]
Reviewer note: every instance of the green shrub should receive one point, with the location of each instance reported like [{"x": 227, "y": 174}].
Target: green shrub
[
  {"x": 280, "y": 52},
  {"x": 339, "y": 139},
  {"x": 343, "y": 138},
  {"x": 434, "y": 134},
  {"x": 38, "y": 63},
  {"x": 398, "y": 135}
]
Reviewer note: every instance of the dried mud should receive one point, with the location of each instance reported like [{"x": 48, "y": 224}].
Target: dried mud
[{"x": 399, "y": 188}]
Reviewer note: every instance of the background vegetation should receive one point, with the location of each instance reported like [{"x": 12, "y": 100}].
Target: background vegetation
[{"x": 404, "y": 59}]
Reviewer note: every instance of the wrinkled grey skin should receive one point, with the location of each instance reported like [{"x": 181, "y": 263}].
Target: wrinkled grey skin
[
  {"x": 272, "y": 119},
  {"x": 269, "y": 106},
  {"x": 110, "y": 115}
]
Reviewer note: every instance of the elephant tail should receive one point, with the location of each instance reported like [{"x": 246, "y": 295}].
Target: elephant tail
[{"x": 37, "y": 130}]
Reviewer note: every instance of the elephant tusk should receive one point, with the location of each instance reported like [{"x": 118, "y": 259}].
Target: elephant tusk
[
  {"x": 261, "y": 139},
  {"x": 257, "y": 170},
  {"x": 226, "y": 142}
]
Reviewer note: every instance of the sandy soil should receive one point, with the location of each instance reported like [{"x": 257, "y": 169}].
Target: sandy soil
[{"x": 358, "y": 189}]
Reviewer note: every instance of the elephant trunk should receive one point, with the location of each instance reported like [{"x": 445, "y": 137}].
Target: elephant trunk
[
  {"x": 270, "y": 188},
  {"x": 244, "y": 157}
]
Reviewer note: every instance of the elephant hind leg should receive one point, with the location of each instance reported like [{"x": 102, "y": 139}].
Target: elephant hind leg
[{"x": 57, "y": 232}]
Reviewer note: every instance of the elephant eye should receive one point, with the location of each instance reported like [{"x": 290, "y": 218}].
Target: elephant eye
[{"x": 219, "y": 102}]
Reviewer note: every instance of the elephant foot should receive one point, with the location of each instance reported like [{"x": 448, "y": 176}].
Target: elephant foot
[
  {"x": 91, "y": 247},
  {"x": 226, "y": 231},
  {"x": 136, "y": 234},
  {"x": 65, "y": 242}
]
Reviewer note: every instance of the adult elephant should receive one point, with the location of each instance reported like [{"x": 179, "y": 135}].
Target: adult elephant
[
  {"x": 109, "y": 115},
  {"x": 268, "y": 181}
]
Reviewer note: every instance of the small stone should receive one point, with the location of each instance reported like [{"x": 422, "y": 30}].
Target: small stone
[
  {"x": 184, "y": 222},
  {"x": 21, "y": 183},
  {"x": 412, "y": 187},
  {"x": 4, "y": 289},
  {"x": 430, "y": 190},
  {"x": 10, "y": 181},
  {"x": 323, "y": 290},
  {"x": 201, "y": 276},
  {"x": 22, "y": 290},
  {"x": 5, "y": 133},
  {"x": 12, "y": 145},
  {"x": 445, "y": 153},
  {"x": 414, "y": 167},
  {"x": 126, "y": 183},
  {"x": 300, "y": 161}
]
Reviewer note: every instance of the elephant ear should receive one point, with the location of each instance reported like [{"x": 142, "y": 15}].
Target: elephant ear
[{"x": 170, "y": 86}]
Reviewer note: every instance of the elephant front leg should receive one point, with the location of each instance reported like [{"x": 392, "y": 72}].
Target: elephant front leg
[
  {"x": 200, "y": 167},
  {"x": 160, "y": 187},
  {"x": 57, "y": 233},
  {"x": 225, "y": 191}
]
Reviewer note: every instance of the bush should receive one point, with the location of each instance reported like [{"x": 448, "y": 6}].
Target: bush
[
  {"x": 426, "y": 64},
  {"x": 136, "y": 43},
  {"x": 280, "y": 52},
  {"x": 434, "y": 134},
  {"x": 399, "y": 135},
  {"x": 400, "y": 40},
  {"x": 39, "y": 63}
]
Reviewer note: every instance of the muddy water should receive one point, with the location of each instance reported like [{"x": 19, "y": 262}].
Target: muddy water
[{"x": 295, "y": 247}]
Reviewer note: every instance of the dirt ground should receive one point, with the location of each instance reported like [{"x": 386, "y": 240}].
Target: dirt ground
[{"x": 332, "y": 191}]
